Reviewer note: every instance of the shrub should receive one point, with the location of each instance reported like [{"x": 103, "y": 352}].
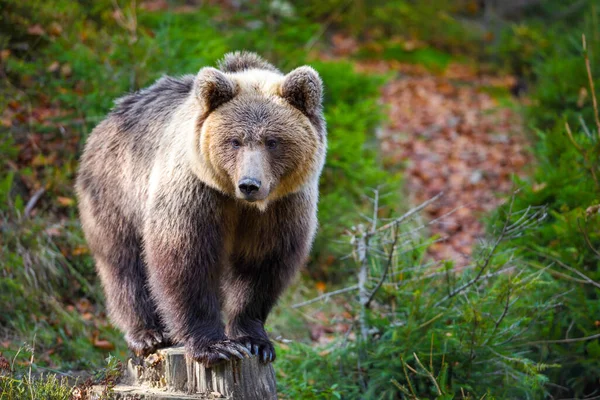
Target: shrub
[
  {"x": 423, "y": 330},
  {"x": 567, "y": 148}
]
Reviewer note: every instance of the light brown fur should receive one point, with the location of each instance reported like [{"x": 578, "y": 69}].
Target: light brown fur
[{"x": 178, "y": 233}]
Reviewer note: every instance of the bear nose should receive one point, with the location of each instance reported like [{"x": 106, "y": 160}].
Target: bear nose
[{"x": 249, "y": 185}]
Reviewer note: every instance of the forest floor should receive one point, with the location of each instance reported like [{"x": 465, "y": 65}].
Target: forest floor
[{"x": 458, "y": 132}]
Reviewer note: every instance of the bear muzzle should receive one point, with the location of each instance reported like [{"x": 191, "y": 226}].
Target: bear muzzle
[{"x": 251, "y": 189}]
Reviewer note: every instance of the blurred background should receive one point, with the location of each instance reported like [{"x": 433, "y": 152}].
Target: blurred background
[{"x": 491, "y": 290}]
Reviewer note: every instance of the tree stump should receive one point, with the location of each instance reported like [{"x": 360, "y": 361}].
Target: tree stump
[{"x": 168, "y": 374}]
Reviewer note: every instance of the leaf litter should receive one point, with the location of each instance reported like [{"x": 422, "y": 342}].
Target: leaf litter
[{"x": 447, "y": 132}]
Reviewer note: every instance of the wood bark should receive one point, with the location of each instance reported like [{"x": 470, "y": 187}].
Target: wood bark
[{"x": 168, "y": 374}]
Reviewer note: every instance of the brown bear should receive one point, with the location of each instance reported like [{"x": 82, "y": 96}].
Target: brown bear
[{"x": 198, "y": 196}]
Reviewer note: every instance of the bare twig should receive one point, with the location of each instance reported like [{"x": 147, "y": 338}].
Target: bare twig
[
  {"x": 429, "y": 374},
  {"x": 535, "y": 316},
  {"x": 326, "y": 296},
  {"x": 33, "y": 201},
  {"x": 570, "y": 136},
  {"x": 129, "y": 23},
  {"x": 385, "y": 271},
  {"x": 375, "y": 210},
  {"x": 574, "y": 340},
  {"x": 362, "y": 245},
  {"x": 591, "y": 80},
  {"x": 433, "y": 221},
  {"x": 487, "y": 259},
  {"x": 575, "y": 271},
  {"x": 507, "y": 306},
  {"x": 504, "y": 312},
  {"x": 410, "y": 213},
  {"x": 583, "y": 153},
  {"x": 584, "y": 127},
  {"x": 556, "y": 273},
  {"x": 325, "y": 25},
  {"x": 587, "y": 239},
  {"x": 404, "y": 366},
  {"x": 585, "y": 278}
]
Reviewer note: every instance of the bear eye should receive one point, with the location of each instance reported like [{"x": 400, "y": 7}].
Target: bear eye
[
  {"x": 235, "y": 143},
  {"x": 271, "y": 143}
]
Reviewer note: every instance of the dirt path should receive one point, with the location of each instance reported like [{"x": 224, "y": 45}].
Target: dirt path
[{"x": 448, "y": 133}]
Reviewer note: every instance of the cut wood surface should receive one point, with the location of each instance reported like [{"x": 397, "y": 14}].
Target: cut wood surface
[{"x": 168, "y": 374}]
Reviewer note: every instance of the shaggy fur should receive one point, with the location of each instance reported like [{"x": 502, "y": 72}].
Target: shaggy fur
[{"x": 176, "y": 237}]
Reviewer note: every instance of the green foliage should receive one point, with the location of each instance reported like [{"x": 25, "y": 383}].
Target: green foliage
[
  {"x": 434, "y": 332},
  {"x": 352, "y": 114},
  {"x": 567, "y": 148},
  {"x": 37, "y": 279},
  {"x": 17, "y": 383},
  {"x": 45, "y": 387},
  {"x": 562, "y": 88},
  {"x": 519, "y": 46},
  {"x": 432, "y": 23}
]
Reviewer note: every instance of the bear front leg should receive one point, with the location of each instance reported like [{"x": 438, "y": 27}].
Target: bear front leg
[
  {"x": 272, "y": 246},
  {"x": 184, "y": 249},
  {"x": 252, "y": 289}
]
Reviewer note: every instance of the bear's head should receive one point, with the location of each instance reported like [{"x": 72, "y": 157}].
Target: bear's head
[{"x": 260, "y": 134}]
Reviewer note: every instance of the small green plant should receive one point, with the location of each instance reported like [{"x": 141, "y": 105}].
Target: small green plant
[
  {"x": 424, "y": 330},
  {"x": 18, "y": 383},
  {"x": 565, "y": 117}
]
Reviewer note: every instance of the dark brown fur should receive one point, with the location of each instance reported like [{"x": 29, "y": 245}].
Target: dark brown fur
[{"x": 175, "y": 241}]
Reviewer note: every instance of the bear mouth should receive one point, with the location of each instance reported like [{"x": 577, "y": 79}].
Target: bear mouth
[{"x": 252, "y": 197}]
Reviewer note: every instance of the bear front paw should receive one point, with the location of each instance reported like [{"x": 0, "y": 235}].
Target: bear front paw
[
  {"x": 217, "y": 352},
  {"x": 145, "y": 341},
  {"x": 263, "y": 348}
]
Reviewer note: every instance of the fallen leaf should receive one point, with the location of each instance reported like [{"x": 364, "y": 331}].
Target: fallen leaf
[
  {"x": 80, "y": 250},
  {"x": 321, "y": 286},
  {"x": 592, "y": 210},
  {"x": 4, "y": 364},
  {"x": 66, "y": 70},
  {"x": 53, "y": 231},
  {"x": 36, "y": 30},
  {"x": 84, "y": 305},
  {"x": 87, "y": 316},
  {"x": 55, "y": 29},
  {"x": 53, "y": 67},
  {"x": 449, "y": 135},
  {"x": 65, "y": 201},
  {"x": 103, "y": 344}
]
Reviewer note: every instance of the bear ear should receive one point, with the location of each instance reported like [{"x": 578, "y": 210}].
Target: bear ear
[
  {"x": 303, "y": 89},
  {"x": 213, "y": 88}
]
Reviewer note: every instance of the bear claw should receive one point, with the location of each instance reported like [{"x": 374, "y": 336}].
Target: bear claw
[
  {"x": 217, "y": 352},
  {"x": 146, "y": 341},
  {"x": 261, "y": 348}
]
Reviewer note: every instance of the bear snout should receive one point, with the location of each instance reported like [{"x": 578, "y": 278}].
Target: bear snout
[
  {"x": 248, "y": 186},
  {"x": 251, "y": 189}
]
